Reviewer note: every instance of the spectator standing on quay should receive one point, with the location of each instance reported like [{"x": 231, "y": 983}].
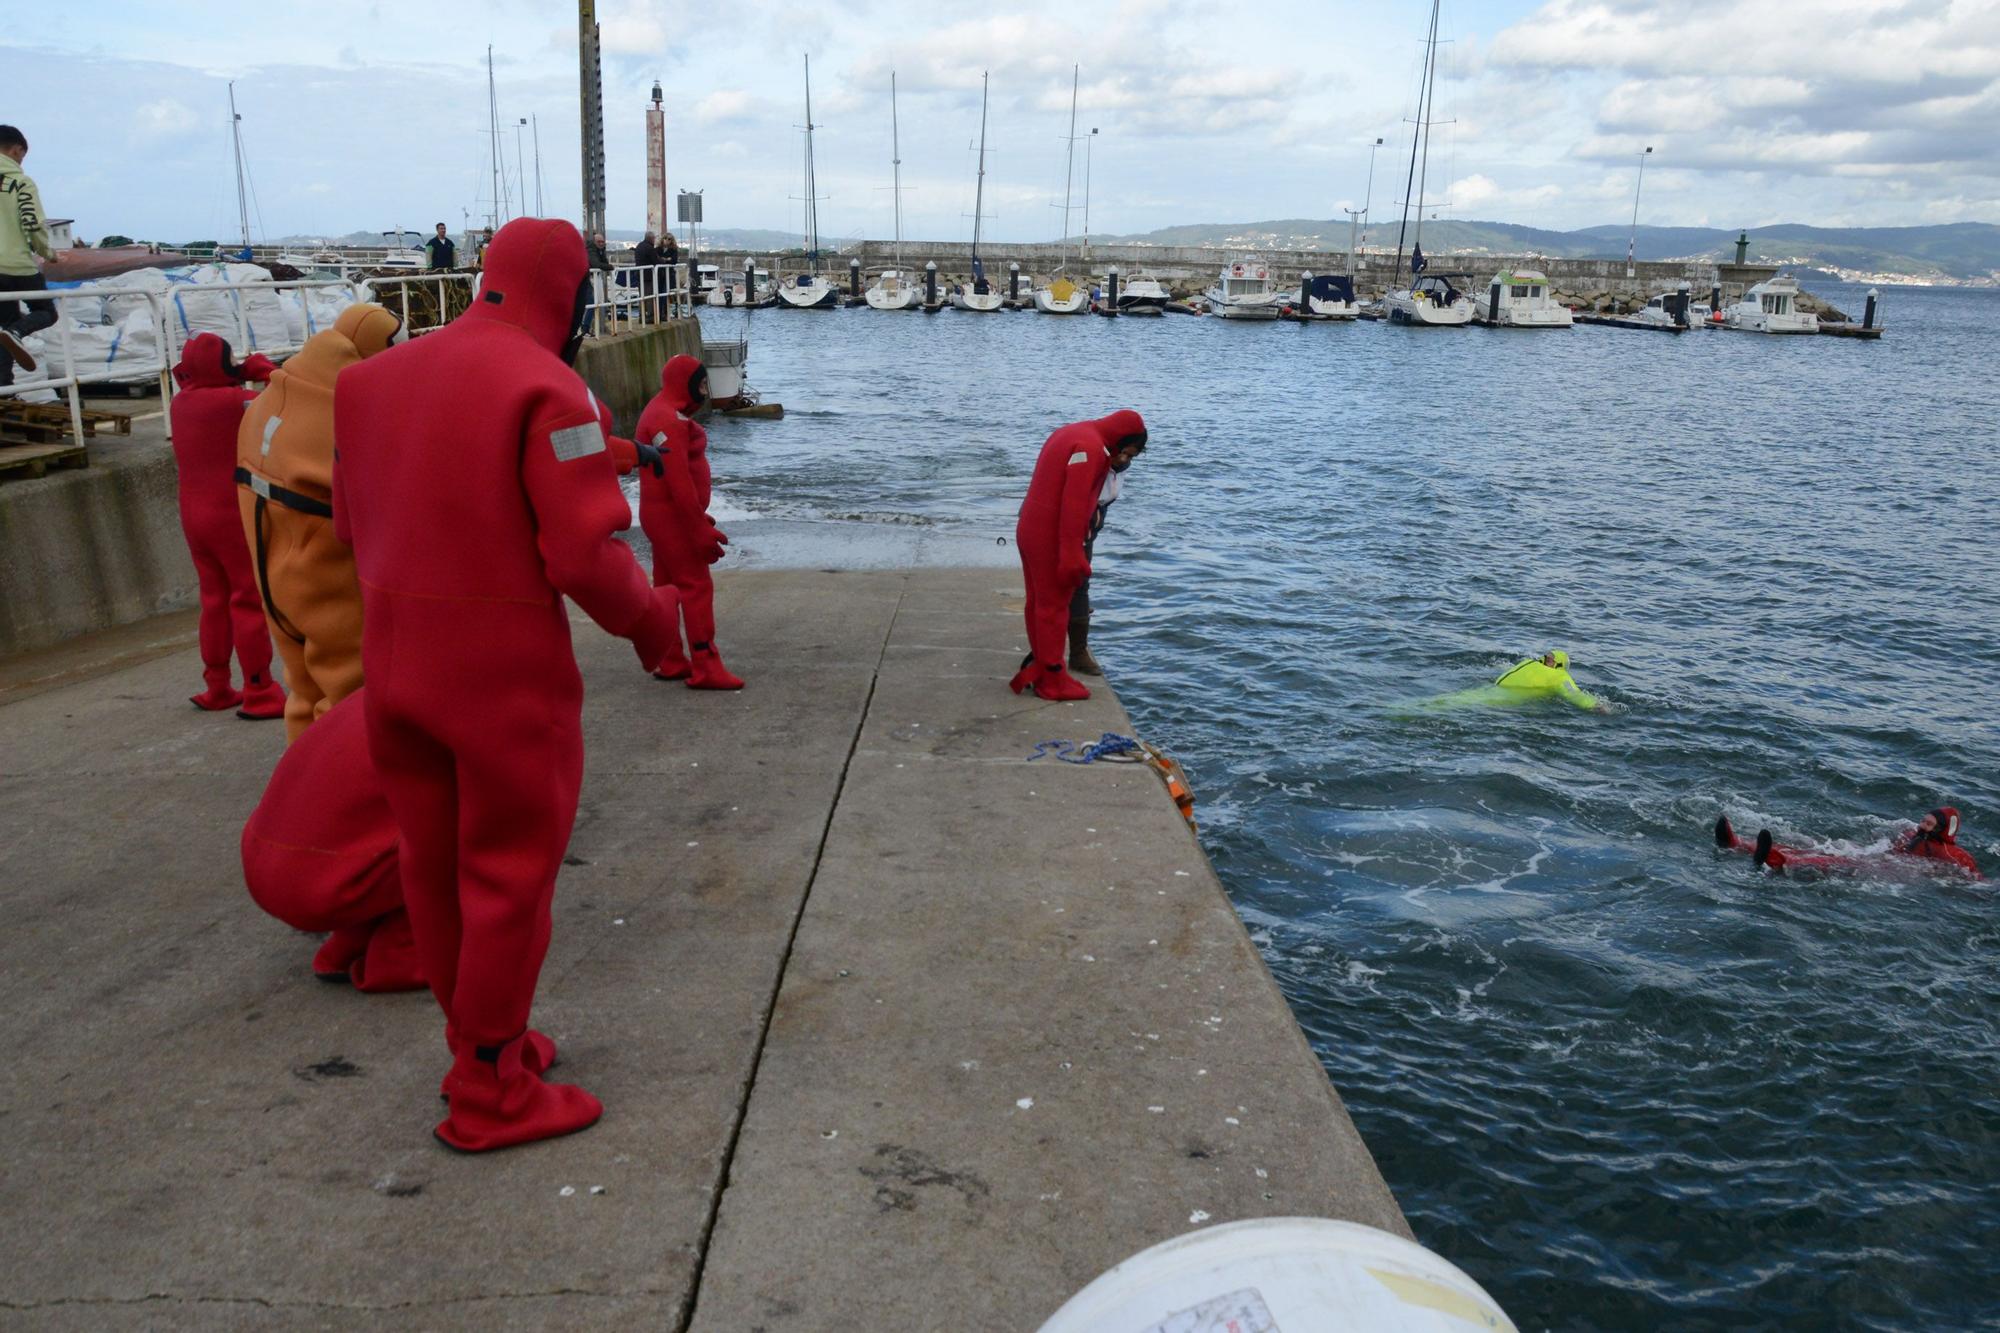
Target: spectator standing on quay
[
  {"x": 23, "y": 235},
  {"x": 443, "y": 252}
]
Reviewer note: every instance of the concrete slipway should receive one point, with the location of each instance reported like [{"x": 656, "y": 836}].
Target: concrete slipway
[{"x": 894, "y": 1030}]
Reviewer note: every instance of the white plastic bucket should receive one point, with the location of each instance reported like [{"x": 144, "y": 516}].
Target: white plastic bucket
[{"x": 1282, "y": 1275}]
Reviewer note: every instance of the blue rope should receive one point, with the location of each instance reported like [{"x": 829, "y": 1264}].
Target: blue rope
[{"x": 1107, "y": 747}]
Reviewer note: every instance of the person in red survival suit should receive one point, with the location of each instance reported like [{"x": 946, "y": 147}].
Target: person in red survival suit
[
  {"x": 1935, "y": 838},
  {"x": 206, "y": 413},
  {"x": 1055, "y": 521},
  {"x": 673, "y": 509},
  {"x": 319, "y": 853},
  {"x": 474, "y": 480}
]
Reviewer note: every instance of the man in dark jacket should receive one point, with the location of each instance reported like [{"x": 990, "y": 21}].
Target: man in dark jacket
[{"x": 443, "y": 252}]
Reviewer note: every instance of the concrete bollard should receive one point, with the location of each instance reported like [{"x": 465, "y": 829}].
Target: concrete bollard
[
  {"x": 749, "y": 281},
  {"x": 854, "y": 279},
  {"x": 1493, "y": 303},
  {"x": 1305, "y": 293},
  {"x": 1868, "y": 315},
  {"x": 1715, "y": 301},
  {"x": 930, "y": 285},
  {"x": 1681, "y": 303},
  {"x": 1013, "y": 282},
  {"x": 1111, "y": 291}
]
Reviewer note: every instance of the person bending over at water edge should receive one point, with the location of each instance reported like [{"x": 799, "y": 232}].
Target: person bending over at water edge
[
  {"x": 1935, "y": 838},
  {"x": 1054, "y": 526}
]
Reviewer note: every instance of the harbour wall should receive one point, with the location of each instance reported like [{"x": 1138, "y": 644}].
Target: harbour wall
[
  {"x": 1189, "y": 269},
  {"x": 101, "y": 546}
]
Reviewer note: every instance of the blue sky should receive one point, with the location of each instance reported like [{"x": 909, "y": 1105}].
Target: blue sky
[{"x": 366, "y": 115}]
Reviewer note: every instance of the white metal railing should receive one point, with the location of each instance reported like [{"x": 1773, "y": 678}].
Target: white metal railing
[
  {"x": 441, "y": 282},
  {"x": 637, "y": 294},
  {"x": 169, "y": 336}
]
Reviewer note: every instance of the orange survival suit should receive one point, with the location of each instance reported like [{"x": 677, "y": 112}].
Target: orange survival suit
[
  {"x": 673, "y": 510},
  {"x": 205, "y": 415},
  {"x": 284, "y": 475},
  {"x": 1050, "y": 533},
  {"x": 473, "y": 478}
]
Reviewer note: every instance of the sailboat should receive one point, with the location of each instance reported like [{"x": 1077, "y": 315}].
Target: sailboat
[
  {"x": 979, "y": 294},
  {"x": 1430, "y": 300},
  {"x": 808, "y": 290},
  {"x": 1063, "y": 297},
  {"x": 892, "y": 289}
]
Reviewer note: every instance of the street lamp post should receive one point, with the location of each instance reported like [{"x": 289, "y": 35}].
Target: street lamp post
[
  {"x": 1354, "y": 217},
  {"x": 1632, "y": 244}
]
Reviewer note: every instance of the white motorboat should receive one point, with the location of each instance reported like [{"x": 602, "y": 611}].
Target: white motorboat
[
  {"x": 1245, "y": 291},
  {"x": 726, "y": 363},
  {"x": 1331, "y": 296},
  {"x": 893, "y": 289},
  {"x": 1519, "y": 299},
  {"x": 808, "y": 290},
  {"x": 1772, "y": 306},
  {"x": 1429, "y": 301},
  {"x": 1660, "y": 311},
  {"x": 704, "y": 277},
  {"x": 728, "y": 289},
  {"x": 1141, "y": 295},
  {"x": 979, "y": 295}
]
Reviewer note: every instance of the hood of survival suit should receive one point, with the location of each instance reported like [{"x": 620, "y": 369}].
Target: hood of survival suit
[
  {"x": 206, "y": 364},
  {"x": 535, "y": 268},
  {"x": 679, "y": 379}
]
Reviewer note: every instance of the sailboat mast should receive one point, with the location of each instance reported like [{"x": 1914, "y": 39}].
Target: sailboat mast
[
  {"x": 812, "y": 202},
  {"x": 493, "y": 134},
  {"x": 896, "y": 161},
  {"x": 1069, "y": 167},
  {"x": 236, "y": 141},
  {"x": 979, "y": 191},
  {"x": 1423, "y": 85},
  {"x": 1430, "y": 98}
]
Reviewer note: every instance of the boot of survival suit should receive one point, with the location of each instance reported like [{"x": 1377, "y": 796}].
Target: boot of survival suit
[
  {"x": 497, "y": 1101},
  {"x": 479, "y": 437},
  {"x": 673, "y": 510},
  {"x": 206, "y": 413},
  {"x": 538, "y": 1056},
  {"x": 284, "y": 491},
  {"x": 1050, "y": 534},
  {"x": 319, "y": 853}
]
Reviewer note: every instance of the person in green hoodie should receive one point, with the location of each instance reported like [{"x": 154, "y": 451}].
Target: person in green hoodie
[
  {"x": 23, "y": 235},
  {"x": 1525, "y": 683}
]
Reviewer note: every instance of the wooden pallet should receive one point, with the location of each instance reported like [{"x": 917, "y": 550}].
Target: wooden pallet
[
  {"x": 19, "y": 462},
  {"x": 48, "y": 423}
]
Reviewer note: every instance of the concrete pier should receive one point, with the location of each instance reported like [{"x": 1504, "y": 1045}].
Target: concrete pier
[{"x": 894, "y": 1029}]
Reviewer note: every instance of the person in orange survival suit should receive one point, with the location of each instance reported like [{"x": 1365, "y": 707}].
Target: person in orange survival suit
[
  {"x": 319, "y": 853},
  {"x": 1054, "y": 522},
  {"x": 284, "y": 476},
  {"x": 673, "y": 509},
  {"x": 205, "y": 415},
  {"x": 473, "y": 478}
]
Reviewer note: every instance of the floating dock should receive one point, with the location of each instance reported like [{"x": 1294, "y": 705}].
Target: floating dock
[{"x": 893, "y": 1029}]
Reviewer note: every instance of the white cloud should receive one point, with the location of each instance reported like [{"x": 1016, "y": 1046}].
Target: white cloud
[
  {"x": 723, "y": 105},
  {"x": 164, "y": 118}
]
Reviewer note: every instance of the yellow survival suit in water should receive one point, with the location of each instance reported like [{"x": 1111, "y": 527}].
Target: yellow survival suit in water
[
  {"x": 284, "y": 475},
  {"x": 1547, "y": 677},
  {"x": 1530, "y": 682}
]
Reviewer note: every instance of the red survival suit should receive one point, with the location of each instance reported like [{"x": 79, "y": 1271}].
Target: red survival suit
[
  {"x": 473, "y": 478},
  {"x": 319, "y": 853},
  {"x": 673, "y": 509},
  {"x": 1055, "y": 520},
  {"x": 206, "y": 413},
  {"x": 1939, "y": 843}
]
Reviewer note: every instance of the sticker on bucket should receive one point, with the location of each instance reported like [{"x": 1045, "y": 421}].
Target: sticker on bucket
[{"x": 1239, "y": 1312}]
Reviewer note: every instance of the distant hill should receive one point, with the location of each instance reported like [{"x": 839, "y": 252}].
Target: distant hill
[{"x": 1961, "y": 251}]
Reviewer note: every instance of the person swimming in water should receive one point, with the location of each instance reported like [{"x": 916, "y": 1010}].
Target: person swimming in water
[
  {"x": 1935, "y": 838},
  {"x": 1549, "y": 675}
]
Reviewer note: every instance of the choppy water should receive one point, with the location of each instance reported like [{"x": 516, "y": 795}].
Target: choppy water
[{"x": 1622, "y": 1081}]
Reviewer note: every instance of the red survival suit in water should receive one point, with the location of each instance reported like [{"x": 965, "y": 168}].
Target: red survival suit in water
[
  {"x": 474, "y": 480},
  {"x": 319, "y": 853},
  {"x": 1939, "y": 843},
  {"x": 206, "y": 413},
  {"x": 673, "y": 509},
  {"x": 1055, "y": 521}
]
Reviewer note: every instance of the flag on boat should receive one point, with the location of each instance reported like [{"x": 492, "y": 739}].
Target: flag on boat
[{"x": 1416, "y": 260}]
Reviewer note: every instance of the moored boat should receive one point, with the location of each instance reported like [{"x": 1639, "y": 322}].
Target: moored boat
[
  {"x": 1244, "y": 290},
  {"x": 1772, "y": 306}
]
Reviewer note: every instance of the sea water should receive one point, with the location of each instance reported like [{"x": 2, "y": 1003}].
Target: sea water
[{"x": 1621, "y": 1079}]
